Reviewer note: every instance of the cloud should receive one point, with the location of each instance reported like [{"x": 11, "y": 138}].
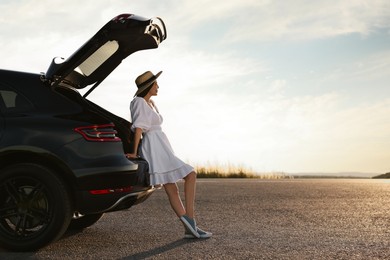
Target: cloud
[
  {"x": 265, "y": 21},
  {"x": 367, "y": 69},
  {"x": 309, "y": 20}
]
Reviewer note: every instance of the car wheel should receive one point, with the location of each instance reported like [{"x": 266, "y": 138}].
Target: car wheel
[
  {"x": 35, "y": 207},
  {"x": 84, "y": 221}
]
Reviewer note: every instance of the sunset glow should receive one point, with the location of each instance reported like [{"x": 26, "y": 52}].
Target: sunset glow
[{"x": 277, "y": 86}]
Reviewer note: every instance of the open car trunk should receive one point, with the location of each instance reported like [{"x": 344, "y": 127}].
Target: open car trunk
[
  {"x": 100, "y": 55},
  {"x": 122, "y": 126}
]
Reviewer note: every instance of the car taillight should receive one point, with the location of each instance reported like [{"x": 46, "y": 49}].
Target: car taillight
[
  {"x": 110, "y": 191},
  {"x": 98, "y": 133}
]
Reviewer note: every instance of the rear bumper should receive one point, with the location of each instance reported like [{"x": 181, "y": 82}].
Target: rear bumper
[
  {"x": 101, "y": 203},
  {"x": 106, "y": 189},
  {"x": 113, "y": 177}
]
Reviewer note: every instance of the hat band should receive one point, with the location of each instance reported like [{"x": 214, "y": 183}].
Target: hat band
[{"x": 147, "y": 83}]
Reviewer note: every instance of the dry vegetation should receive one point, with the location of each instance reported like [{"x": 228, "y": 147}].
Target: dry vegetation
[{"x": 232, "y": 171}]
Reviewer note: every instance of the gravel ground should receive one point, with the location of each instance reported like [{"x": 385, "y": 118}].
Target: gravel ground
[{"x": 250, "y": 219}]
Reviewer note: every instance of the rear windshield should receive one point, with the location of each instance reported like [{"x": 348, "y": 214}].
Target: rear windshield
[
  {"x": 98, "y": 58},
  {"x": 12, "y": 102}
]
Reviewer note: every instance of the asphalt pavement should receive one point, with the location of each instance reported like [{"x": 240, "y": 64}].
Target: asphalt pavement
[{"x": 250, "y": 219}]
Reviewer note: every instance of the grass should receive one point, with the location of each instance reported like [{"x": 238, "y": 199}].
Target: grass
[{"x": 233, "y": 171}]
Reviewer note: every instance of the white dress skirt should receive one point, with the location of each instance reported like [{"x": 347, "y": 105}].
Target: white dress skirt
[{"x": 164, "y": 166}]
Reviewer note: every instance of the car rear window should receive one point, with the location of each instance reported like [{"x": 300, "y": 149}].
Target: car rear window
[
  {"x": 98, "y": 58},
  {"x": 12, "y": 102}
]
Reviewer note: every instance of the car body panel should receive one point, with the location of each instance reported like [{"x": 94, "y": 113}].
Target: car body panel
[{"x": 1, "y": 127}]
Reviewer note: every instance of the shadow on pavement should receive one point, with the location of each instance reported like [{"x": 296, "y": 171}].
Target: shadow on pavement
[{"x": 162, "y": 249}]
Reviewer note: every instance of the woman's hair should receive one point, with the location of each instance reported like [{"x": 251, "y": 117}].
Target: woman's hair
[{"x": 145, "y": 92}]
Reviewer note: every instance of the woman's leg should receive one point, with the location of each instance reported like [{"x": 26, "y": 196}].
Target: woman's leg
[
  {"x": 174, "y": 198},
  {"x": 186, "y": 214},
  {"x": 189, "y": 191}
]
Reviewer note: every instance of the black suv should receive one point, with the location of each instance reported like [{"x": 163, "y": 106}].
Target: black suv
[{"x": 62, "y": 157}]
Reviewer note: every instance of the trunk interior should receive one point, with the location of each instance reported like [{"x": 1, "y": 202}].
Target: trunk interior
[{"x": 121, "y": 125}]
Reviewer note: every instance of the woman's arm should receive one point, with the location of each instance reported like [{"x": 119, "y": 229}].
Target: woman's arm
[{"x": 137, "y": 139}]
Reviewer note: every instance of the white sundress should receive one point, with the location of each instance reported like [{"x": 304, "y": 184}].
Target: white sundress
[{"x": 164, "y": 166}]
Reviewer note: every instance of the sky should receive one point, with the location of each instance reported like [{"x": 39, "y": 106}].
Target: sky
[{"x": 296, "y": 86}]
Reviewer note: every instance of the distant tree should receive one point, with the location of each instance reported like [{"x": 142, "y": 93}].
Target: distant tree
[{"x": 382, "y": 176}]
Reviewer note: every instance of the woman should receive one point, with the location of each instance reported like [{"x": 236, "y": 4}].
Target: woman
[{"x": 164, "y": 167}]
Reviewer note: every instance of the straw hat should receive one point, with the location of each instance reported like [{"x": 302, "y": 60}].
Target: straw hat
[{"x": 145, "y": 80}]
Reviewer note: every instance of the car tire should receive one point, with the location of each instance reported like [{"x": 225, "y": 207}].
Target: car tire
[
  {"x": 84, "y": 221},
  {"x": 35, "y": 207}
]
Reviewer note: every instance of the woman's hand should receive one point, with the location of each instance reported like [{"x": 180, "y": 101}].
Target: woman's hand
[
  {"x": 137, "y": 138},
  {"x": 131, "y": 155}
]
